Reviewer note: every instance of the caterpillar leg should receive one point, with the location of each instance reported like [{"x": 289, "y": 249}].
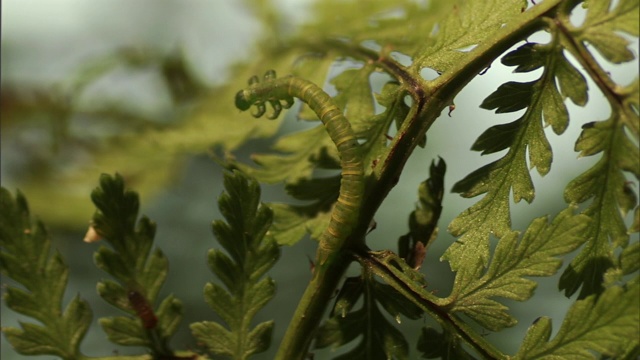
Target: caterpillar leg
[{"x": 259, "y": 93}]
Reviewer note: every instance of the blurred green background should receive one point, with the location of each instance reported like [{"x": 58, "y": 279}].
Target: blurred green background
[{"x": 76, "y": 75}]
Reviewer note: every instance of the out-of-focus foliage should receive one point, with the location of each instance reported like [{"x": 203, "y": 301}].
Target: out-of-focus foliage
[
  {"x": 26, "y": 250},
  {"x": 76, "y": 142}
]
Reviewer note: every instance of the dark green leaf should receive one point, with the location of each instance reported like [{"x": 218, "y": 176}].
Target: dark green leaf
[
  {"x": 25, "y": 257},
  {"x": 170, "y": 313},
  {"x": 497, "y": 138},
  {"x": 424, "y": 220},
  {"x": 528, "y": 57},
  {"x": 509, "y": 97},
  {"x": 379, "y": 338},
  {"x": 114, "y": 294},
  {"x": 383, "y": 341},
  {"x": 435, "y": 345},
  {"x": 340, "y": 330},
  {"x": 251, "y": 254},
  {"x": 260, "y": 338},
  {"x": 348, "y": 296},
  {"x": 395, "y": 304},
  {"x": 138, "y": 269}
]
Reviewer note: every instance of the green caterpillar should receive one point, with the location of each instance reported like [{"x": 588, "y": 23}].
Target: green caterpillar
[{"x": 280, "y": 93}]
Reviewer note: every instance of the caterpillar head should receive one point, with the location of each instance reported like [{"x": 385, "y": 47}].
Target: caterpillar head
[
  {"x": 242, "y": 100},
  {"x": 258, "y": 93}
]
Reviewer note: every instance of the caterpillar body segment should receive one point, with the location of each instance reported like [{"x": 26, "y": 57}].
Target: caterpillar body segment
[{"x": 279, "y": 92}]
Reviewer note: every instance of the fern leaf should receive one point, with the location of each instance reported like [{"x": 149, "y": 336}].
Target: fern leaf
[
  {"x": 510, "y": 174},
  {"x": 300, "y": 152},
  {"x": 535, "y": 254},
  {"x": 605, "y": 185},
  {"x": 446, "y": 345},
  {"x": 379, "y": 338},
  {"x": 139, "y": 271},
  {"x": 292, "y": 222},
  {"x": 461, "y": 25},
  {"x": 601, "y": 25},
  {"x": 25, "y": 257},
  {"x": 355, "y": 95},
  {"x": 424, "y": 220},
  {"x": 465, "y": 25},
  {"x": 630, "y": 259},
  {"x": 605, "y": 323},
  {"x": 250, "y": 253}
]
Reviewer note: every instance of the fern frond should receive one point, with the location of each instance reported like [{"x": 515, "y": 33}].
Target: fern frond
[
  {"x": 443, "y": 345},
  {"x": 523, "y": 138},
  {"x": 25, "y": 256},
  {"x": 603, "y": 21},
  {"x": 379, "y": 338},
  {"x": 250, "y": 253},
  {"x": 605, "y": 184},
  {"x": 424, "y": 220},
  {"x": 139, "y": 271},
  {"x": 536, "y": 254},
  {"x": 605, "y": 323}
]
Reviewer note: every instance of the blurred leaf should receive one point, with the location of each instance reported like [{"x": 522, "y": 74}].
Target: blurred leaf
[
  {"x": 301, "y": 152},
  {"x": 25, "y": 256},
  {"x": 146, "y": 149}
]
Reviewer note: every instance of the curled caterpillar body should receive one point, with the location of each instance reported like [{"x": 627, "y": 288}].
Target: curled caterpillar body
[
  {"x": 280, "y": 93},
  {"x": 143, "y": 309}
]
